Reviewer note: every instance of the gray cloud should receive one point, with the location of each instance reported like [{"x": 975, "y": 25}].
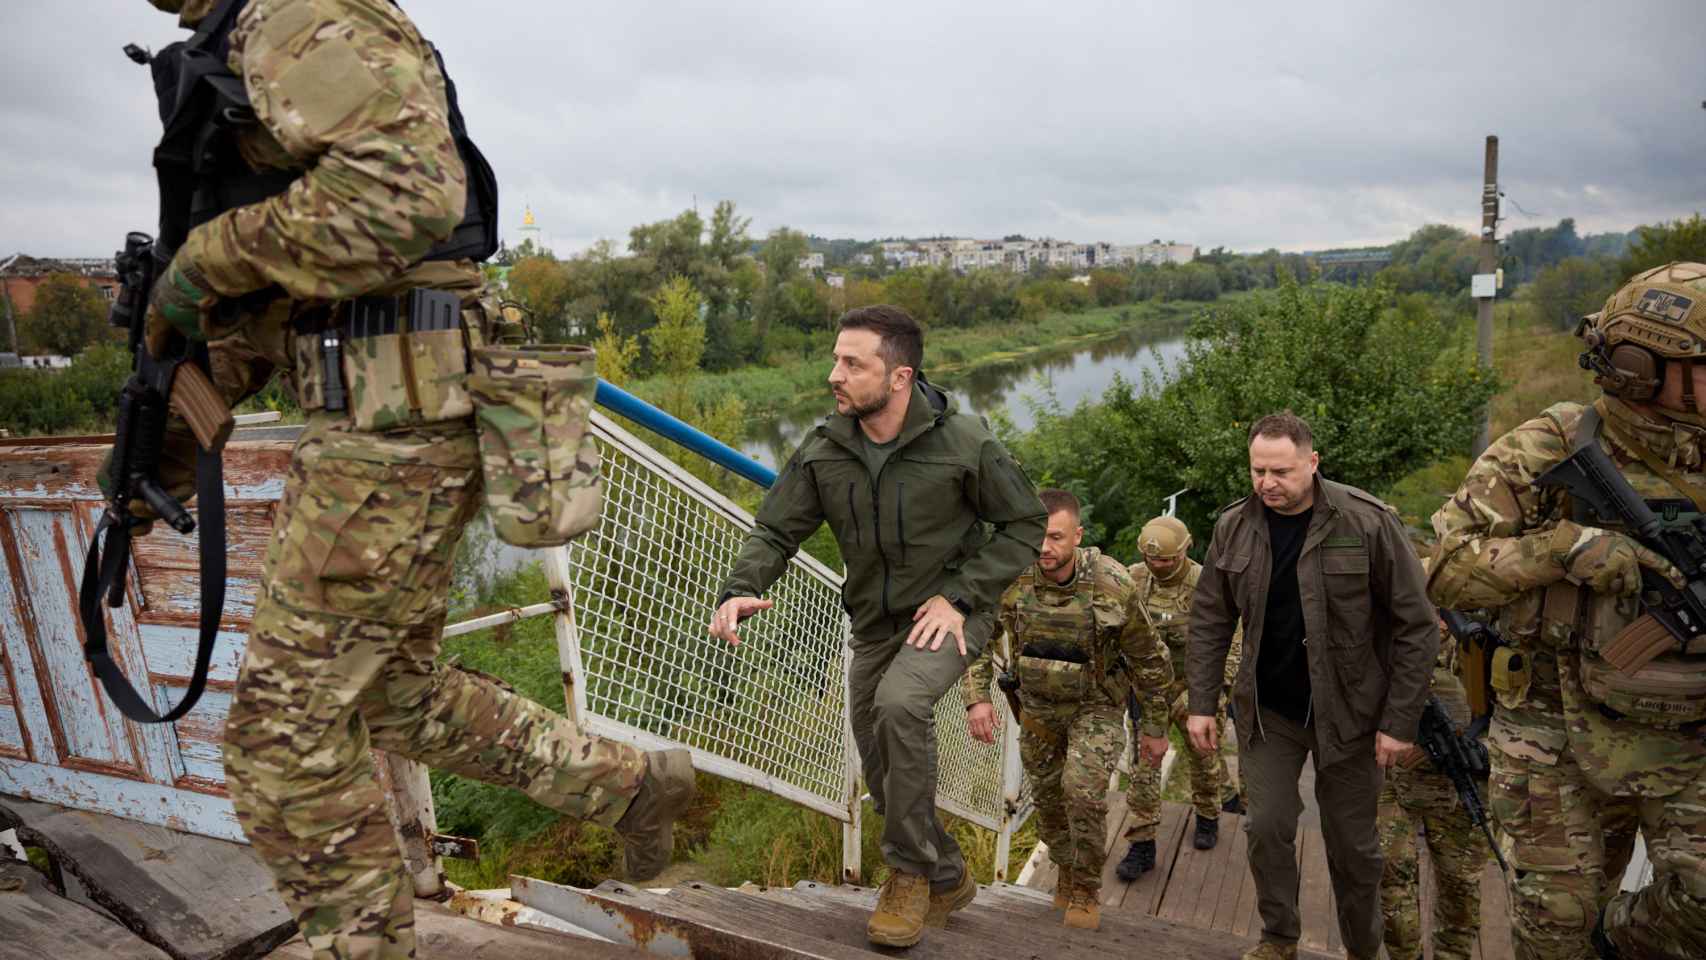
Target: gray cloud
[{"x": 1244, "y": 124}]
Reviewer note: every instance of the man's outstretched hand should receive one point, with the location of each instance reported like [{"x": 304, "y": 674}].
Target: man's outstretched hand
[{"x": 725, "y": 623}]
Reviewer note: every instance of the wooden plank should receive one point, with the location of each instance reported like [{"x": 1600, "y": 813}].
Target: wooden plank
[
  {"x": 248, "y": 528},
  {"x": 173, "y": 597},
  {"x": 91, "y": 732},
  {"x": 443, "y": 934},
  {"x": 1217, "y": 875},
  {"x": 64, "y": 468},
  {"x": 1314, "y": 889},
  {"x": 160, "y": 804},
  {"x": 17, "y": 653},
  {"x": 38, "y": 924},
  {"x": 171, "y": 650},
  {"x": 1144, "y": 894},
  {"x": 1024, "y": 927},
  {"x": 1190, "y": 876},
  {"x": 194, "y": 896},
  {"x": 1495, "y": 938},
  {"x": 200, "y": 734}
]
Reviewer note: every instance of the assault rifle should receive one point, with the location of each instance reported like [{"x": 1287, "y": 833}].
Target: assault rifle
[
  {"x": 1477, "y": 642},
  {"x": 1673, "y": 615},
  {"x": 158, "y": 386},
  {"x": 1461, "y": 760}
]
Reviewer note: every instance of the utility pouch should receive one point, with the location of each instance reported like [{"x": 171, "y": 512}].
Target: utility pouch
[
  {"x": 1510, "y": 676},
  {"x": 404, "y": 360},
  {"x": 1054, "y": 681},
  {"x": 533, "y": 405}
]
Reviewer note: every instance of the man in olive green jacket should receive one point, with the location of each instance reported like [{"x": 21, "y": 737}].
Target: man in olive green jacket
[
  {"x": 1339, "y": 644},
  {"x": 934, "y": 520}
]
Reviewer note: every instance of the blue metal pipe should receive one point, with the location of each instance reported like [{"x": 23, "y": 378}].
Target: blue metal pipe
[{"x": 624, "y": 404}]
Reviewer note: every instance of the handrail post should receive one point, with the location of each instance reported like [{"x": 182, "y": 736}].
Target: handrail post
[
  {"x": 852, "y": 829},
  {"x": 559, "y": 576}
]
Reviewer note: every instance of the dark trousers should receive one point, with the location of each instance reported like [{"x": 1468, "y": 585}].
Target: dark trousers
[
  {"x": 1347, "y": 794},
  {"x": 894, "y": 691}
]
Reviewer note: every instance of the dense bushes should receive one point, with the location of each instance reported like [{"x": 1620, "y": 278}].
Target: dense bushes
[{"x": 81, "y": 398}]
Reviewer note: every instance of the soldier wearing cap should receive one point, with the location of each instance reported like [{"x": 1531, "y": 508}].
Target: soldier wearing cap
[{"x": 1165, "y": 580}]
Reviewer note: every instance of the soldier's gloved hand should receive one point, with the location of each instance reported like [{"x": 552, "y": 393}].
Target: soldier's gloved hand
[
  {"x": 1606, "y": 561},
  {"x": 180, "y": 303},
  {"x": 177, "y": 474}
]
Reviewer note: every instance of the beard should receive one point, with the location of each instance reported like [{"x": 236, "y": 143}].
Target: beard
[{"x": 870, "y": 408}]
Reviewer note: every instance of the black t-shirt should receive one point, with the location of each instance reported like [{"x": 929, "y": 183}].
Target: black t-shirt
[{"x": 1282, "y": 667}]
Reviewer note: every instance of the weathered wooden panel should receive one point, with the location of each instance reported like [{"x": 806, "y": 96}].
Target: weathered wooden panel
[
  {"x": 173, "y": 597},
  {"x": 11, "y": 733},
  {"x": 200, "y": 734},
  {"x": 22, "y": 667},
  {"x": 171, "y": 650},
  {"x": 93, "y": 731},
  {"x": 63, "y": 468},
  {"x": 188, "y": 810},
  {"x": 248, "y": 525}
]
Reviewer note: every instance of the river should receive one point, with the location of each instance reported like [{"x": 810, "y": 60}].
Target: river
[{"x": 1075, "y": 374}]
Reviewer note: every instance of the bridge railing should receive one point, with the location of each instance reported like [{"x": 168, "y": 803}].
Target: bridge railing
[{"x": 631, "y": 600}]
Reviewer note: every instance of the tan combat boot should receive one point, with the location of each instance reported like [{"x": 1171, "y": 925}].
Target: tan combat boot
[
  {"x": 647, "y": 827},
  {"x": 942, "y": 904},
  {"x": 1272, "y": 951},
  {"x": 1062, "y": 887},
  {"x": 1084, "y": 909},
  {"x": 902, "y": 903}
]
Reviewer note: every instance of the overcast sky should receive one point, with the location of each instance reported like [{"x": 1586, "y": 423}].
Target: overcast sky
[{"x": 1298, "y": 125}]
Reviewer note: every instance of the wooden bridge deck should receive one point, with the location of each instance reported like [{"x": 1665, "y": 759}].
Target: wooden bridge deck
[{"x": 1212, "y": 889}]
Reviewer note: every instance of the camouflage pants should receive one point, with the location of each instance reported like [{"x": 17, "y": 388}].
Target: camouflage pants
[
  {"x": 1070, "y": 752},
  {"x": 342, "y": 658},
  {"x": 1567, "y": 845},
  {"x": 1457, "y": 851},
  {"x": 1209, "y": 786}
]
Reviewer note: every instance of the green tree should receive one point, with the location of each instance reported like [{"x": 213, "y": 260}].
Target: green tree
[
  {"x": 541, "y": 284},
  {"x": 617, "y": 354},
  {"x": 677, "y": 342},
  {"x": 68, "y": 315},
  {"x": 1563, "y": 292},
  {"x": 1664, "y": 243},
  {"x": 1387, "y": 386}
]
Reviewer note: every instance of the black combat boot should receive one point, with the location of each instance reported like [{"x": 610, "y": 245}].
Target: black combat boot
[
  {"x": 1233, "y": 804},
  {"x": 1139, "y": 860},
  {"x": 1208, "y": 833}
]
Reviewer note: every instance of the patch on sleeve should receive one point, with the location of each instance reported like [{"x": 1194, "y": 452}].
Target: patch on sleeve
[
  {"x": 327, "y": 85},
  {"x": 286, "y": 21}
]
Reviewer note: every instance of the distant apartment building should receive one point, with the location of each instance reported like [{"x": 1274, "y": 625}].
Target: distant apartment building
[
  {"x": 1019, "y": 256},
  {"x": 811, "y": 261}
]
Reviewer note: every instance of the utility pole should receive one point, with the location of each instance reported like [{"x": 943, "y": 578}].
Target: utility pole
[{"x": 1485, "y": 285}]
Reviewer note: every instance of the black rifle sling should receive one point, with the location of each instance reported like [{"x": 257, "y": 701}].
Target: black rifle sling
[{"x": 99, "y": 576}]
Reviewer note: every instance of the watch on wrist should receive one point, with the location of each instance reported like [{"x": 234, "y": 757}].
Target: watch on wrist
[{"x": 960, "y": 603}]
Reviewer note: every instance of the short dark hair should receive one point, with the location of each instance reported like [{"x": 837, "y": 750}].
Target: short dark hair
[
  {"x": 1284, "y": 424},
  {"x": 902, "y": 339},
  {"x": 1055, "y": 500}
]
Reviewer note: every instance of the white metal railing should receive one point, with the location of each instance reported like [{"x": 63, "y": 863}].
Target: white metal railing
[{"x": 631, "y": 600}]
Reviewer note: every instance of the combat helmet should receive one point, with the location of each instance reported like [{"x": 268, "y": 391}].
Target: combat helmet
[
  {"x": 1164, "y": 537},
  {"x": 1658, "y": 315}
]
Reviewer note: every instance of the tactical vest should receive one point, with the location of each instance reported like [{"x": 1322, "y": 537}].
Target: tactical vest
[
  {"x": 1168, "y": 605},
  {"x": 1670, "y": 691},
  {"x": 1066, "y": 640},
  {"x": 204, "y": 108}
]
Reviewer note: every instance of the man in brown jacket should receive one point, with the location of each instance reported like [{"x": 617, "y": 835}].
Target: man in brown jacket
[{"x": 1339, "y": 642}]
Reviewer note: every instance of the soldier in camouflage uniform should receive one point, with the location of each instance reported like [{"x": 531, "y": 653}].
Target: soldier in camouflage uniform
[
  {"x": 1165, "y": 579},
  {"x": 1416, "y": 794},
  {"x": 1574, "y": 739},
  {"x": 343, "y": 651},
  {"x": 1082, "y": 644}
]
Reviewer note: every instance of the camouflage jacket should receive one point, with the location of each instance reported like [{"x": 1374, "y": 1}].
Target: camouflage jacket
[
  {"x": 1372, "y": 635},
  {"x": 1169, "y": 609},
  {"x": 950, "y": 513},
  {"x": 1097, "y": 615},
  {"x": 1495, "y": 550},
  {"x": 348, "y": 93}
]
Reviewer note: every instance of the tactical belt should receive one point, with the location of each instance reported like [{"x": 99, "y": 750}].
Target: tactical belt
[
  {"x": 1054, "y": 651},
  {"x": 419, "y": 310}
]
